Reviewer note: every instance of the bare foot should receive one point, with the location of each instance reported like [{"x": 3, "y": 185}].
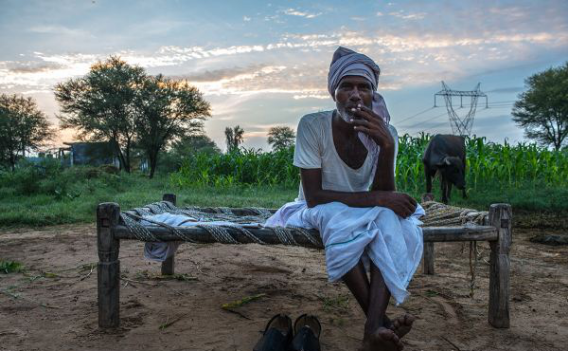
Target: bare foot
[
  {"x": 383, "y": 339},
  {"x": 402, "y": 325}
]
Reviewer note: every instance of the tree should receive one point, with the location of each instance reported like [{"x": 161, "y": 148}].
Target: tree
[
  {"x": 233, "y": 137},
  {"x": 166, "y": 109},
  {"x": 195, "y": 143},
  {"x": 281, "y": 137},
  {"x": 22, "y": 127},
  {"x": 542, "y": 109},
  {"x": 101, "y": 104}
]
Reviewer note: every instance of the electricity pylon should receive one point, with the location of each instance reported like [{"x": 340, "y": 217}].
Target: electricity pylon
[{"x": 461, "y": 126}]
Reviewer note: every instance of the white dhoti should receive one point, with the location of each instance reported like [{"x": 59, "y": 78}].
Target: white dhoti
[{"x": 394, "y": 244}]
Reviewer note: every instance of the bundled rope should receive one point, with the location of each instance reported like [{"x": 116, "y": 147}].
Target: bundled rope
[
  {"x": 137, "y": 219},
  {"x": 441, "y": 215}
]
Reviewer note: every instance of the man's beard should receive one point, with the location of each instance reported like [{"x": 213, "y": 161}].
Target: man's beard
[{"x": 346, "y": 115}]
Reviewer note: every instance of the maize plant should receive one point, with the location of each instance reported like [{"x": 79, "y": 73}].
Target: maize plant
[{"x": 503, "y": 165}]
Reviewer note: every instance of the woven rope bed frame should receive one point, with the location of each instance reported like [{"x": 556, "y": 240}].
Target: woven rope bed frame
[{"x": 441, "y": 224}]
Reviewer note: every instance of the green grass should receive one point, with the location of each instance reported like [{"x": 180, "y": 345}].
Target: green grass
[
  {"x": 46, "y": 194},
  {"x": 136, "y": 190},
  {"x": 335, "y": 304},
  {"x": 528, "y": 198},
  {"x": 7, "y": 267}
]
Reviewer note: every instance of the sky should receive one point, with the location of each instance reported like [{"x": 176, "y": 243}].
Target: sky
[{"x": 265, "y": 64}]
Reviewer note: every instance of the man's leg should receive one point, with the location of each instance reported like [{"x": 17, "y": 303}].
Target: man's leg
[
  {"x": 357, "y": 281},
  {"x": 376, "y": 335},
  {"x": 378, "y": 300}
]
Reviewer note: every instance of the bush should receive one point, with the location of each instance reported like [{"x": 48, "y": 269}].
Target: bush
[
  {"x": 26, "y": 179},
  {"x": 50, "y": 178}
]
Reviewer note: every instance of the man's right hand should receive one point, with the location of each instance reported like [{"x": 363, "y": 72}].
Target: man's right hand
[{"x": 400, "y": 203}]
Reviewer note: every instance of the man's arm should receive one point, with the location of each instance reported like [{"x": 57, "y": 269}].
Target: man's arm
[
  {"x": 384, "y": 178},
  {"x": 315, "y": 195},
  {"x": 401, "y": 204}
]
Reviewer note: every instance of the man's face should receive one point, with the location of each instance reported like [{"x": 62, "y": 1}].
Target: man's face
[{"x": 351, "y": 91}]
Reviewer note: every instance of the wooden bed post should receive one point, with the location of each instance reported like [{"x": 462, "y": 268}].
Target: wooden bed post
[
  {"x": 500, "y": 216},
  {"x": 168, "y": 265},
  {"x": 108, "y": 268},
  {"x": 429, "y": 258}
]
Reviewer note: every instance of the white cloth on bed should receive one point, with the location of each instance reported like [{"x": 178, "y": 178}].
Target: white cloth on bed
[
  {"x": 161, "y": 251},
  {"x": 394, "y": 244}
]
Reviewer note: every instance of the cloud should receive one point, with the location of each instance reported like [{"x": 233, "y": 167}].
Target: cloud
[
  {"x": 44, "y": 72},
  {"x": 507, "y": 90},
  {"x": 32, "y": 67},
  {"x": 176, "y": 53},
  {"x": 416, "y": 45},
  {"x": 218, "y": 74},
  {"x": 293, "y": 12},
  {"x": 58, "y": 29},
  {"x": 408, "y": 16},
  {"x": 406, "y": 60},
  {"x": 240, "y": 77},
  {"x": 265, "y": 128}
]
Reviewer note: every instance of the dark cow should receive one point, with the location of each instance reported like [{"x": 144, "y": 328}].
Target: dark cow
[{"x": 447, "y": 155}]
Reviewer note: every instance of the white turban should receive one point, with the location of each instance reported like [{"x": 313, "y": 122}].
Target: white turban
[{"x": 346, "y": 62}]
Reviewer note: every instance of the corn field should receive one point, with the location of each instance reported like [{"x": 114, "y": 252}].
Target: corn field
[
  {"x": 247, "y": 167},
  {"x": 488, "y": 164}
]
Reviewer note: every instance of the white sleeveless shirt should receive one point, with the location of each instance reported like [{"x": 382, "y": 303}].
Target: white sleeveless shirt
[{"x": 315, "y": 149}]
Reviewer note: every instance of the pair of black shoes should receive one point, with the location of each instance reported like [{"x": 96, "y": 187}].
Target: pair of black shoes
[{"x": 278, "y": 335}]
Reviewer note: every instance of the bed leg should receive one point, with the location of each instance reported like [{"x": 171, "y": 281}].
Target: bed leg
[
  {"x": 108, "y": 268},
  {"x": 500, "y": 216},
  {"x": 429, "y": 258},
  {"x": 168, "y": 265}
]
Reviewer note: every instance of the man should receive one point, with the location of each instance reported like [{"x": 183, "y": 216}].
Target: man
[{"x": 347, "y": 165}]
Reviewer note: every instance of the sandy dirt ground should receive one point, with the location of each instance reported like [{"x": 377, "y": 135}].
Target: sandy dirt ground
[{"x": 52, "y": 305}]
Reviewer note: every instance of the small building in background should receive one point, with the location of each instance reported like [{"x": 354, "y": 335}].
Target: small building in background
[{"x": 88, "y": 153}]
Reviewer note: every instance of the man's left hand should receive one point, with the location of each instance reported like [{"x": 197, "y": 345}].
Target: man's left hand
[{"x": 374, "y": 126}]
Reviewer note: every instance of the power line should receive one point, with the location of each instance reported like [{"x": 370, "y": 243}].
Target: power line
[
  {"x": 430, "y": 119},
  {"x": 436, "y": 126},
  {"x": 445, "y": 113},
  {"x": 496, "y": 105},
  {"x": 497, "y": 102},
  {"x": 497, "y": 108},
  {"x": 461, "y": 126},
  {"x": 492, "y": 104},
  {"x": 501, "y": 104},
  {"x": 415, "y": 115},
  {"x": 443, "y": 123}
]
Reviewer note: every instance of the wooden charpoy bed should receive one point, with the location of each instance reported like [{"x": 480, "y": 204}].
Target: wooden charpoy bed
[{"x": 441, "y": 224}]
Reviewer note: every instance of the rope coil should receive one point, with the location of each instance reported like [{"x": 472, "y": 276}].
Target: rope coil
[{"x": 437, "y": 214}]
